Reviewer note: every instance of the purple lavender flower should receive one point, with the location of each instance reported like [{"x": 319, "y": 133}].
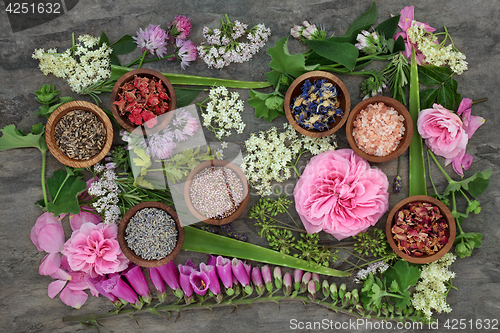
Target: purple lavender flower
[
  {"x": 287, "y": 284},
  {"x": 224, "y": 271},
  {"x": 186, "y": 52},
  {"x": 170, "y": 275},
  {"x": 179, "y": 28},
  {"x": 152, "y": 39},
  {"x": 266, "y": 275},
  {"x": 158, "y": 283},
  {"x": 116, "y": 286},
  {"x": 136, "y": 279},
  {"x": 200, "y": 282}
]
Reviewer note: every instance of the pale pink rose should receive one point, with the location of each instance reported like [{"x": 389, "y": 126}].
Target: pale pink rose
[
  {"x": 94, "y": 249},
  {"x": 340, "y": 194},
  {"x": 443, "y": 131}
]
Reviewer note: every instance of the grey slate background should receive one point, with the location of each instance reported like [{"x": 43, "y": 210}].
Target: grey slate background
[{"x": 24, "y": 304}]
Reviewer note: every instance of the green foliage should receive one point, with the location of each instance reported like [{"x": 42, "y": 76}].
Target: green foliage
[
  {"x": 15, "y": 138},
  {"x": 445, "y": 90},
  {"x": 185, "y": 96},
  {"x": 267, "y": 106},
  {"x": 465, "y": 242},
  {"x": 373, "y": 244},
  {"x": 50, "y": 100},
  {"x": 345, "y": 54},
  {"x": 363, "y": 22},
  {"x": 64, "y": 188}
]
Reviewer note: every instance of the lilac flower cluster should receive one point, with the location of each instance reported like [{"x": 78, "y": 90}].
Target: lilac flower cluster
[
  {"x": 160, "y": 145},
  {"x": 154, "y": 39},
  {"x": 307, "y": 31},
  {"x": 223, "y": 45}
]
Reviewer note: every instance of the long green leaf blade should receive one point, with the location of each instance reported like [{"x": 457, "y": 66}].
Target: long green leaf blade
[
  {"x": 417, "y": 181},
  {"x": 197, "y": 240}
]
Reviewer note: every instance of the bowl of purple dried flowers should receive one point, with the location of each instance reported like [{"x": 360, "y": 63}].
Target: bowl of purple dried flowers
[
  {"x": 420, "y": 229},
  {"x": 317, "y": 104}
]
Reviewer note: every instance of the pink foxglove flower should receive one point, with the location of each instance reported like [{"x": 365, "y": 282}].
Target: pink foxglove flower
[
  {"x": 184, "y": 274},
  {"x": 224, "y": 271},
  {"x": 242, "y": 272},
  {"x": 287, "y": 284},
  {"x": 405, "y": 22},
  {"x": 158, "y": 283},
  {"x": 152, "y": 39},
  {"x": 136, "y": 279},
  {"x": 267, "y": 277},
  {"x": 340, "y": 194},
  {"x": 186, "y": 52},
  {"x": 200, "y": 282},
  {"x": 214, "y": 284},
  {"x": 116, "y": 286},
  {"x": 257, "y": 281},
  {"x": 94, "y": 249}
]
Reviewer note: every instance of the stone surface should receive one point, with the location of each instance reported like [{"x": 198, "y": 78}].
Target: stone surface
[{"x": 25, "y": 306}]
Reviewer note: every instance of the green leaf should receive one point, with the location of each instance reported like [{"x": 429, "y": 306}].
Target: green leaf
[
  {"x": 283, "y": 62},
  {"x": 103, "y": 40},
  {"x": 45, "y": 111},
  {"x": 417, "y": 181},
  {"x": 443, "y": 71},
  {"x": 364, "y": 22},
  {"x": 124, "y": 45},
  {"x": 399, "y": 45},
  {"x": 452, "y": 187},
  {"x": 259, "y": 102},
  {"x": 477, "y": 183},
  {"x": 205, "y": 242},
  {"x": 64, "y": 189},
  {"x": 402, "y": 303},
  {"x": 38, "y": 129},
  {"x": 14, "y": 138},
  {"x": 404, "y": 274},
  {"x": 114, "y": 59},
  {"x": 473, "y": 206},
  {"x": 428, "y": 77},
  {"x": 345, "y": 54},
  {"x": 185, "y": 96},
  {"x": 394, "y": 287},
  {"x": 47, "y": 94},
  {"x": 446, "y": 97},
  {"x": 427, "y": 98},
  {"x": 388, "y": 27}
]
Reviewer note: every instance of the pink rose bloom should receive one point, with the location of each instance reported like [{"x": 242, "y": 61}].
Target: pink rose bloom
[
  {"x": 94, "y": 249},
  {"x": 340, "y": 194},
  {"x": 443, "y": 131}
]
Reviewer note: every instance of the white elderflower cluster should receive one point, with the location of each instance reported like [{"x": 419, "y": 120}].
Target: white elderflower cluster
[
  {"x": 433, "y": 286},
  {"x": 270, "y": 155},
  {"x": 81, "y": 65},
  {"x": 104, "y": 192},
  {"x": 223, "y": 112},
  {"x": 224, "y": 47},
  {"x": 437, "y": 54}
]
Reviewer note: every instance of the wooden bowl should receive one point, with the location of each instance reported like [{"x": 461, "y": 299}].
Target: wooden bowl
[
  {"x": 241, "y": 207},
  {"x": 131, "y": 254},
  {"x": 445, "y": 212},
  {"x": 58, "y": 114},
  {"x": 342, "y": 95},
  {"x": 403, "y": 144},
  {"x": 149, "y": 73}
]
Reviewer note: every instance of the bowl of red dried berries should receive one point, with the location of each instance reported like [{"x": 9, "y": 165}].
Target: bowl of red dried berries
[
  {"x": 420, "y": 229},
  {"x": 379, "y": 129},
  {"x": 317, "y": 104},
  {"x": 79, "y": 134},
  {"x": 143, "y": 97}
]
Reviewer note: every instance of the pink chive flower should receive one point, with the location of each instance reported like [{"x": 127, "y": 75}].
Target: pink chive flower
[
  {"x": 152, "y": 39},
  {"x": 94, "y": 249},
  {"x": 137, "y": 280},
  {"x": 405, "y": 22},
  {"x": 186, "y": 52},
  {"x": 179, "y": 29},
  {"x": 340, "y": 193}
]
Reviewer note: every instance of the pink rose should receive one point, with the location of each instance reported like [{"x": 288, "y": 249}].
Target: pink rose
[
  {"x": 94, "y": 249},
  {"x": 443, "y": 131},
  {"x": 340, "y": 194}
]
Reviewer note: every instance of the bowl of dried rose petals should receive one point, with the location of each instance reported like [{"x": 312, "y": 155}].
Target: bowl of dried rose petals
[
  {"x": 420, "y": 229},
  {"x": 379, "y": 129},
  {"x": 79, "y": 134},
  {"x": 140, "y": 97},
  {"x": 317, "y": 104}
]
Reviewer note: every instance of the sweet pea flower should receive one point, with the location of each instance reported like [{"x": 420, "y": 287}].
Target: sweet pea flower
[
  {"x": 136, "y": 279},
  {"x": 94, "y": 249},
  {"x": 405, "y": 22},
  {"x": 340, "y": 193},
  {"x": 470, "y": 123}
]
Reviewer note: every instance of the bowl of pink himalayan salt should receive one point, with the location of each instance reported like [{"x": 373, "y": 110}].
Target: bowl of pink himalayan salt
[{"x": 379, "y": 129}]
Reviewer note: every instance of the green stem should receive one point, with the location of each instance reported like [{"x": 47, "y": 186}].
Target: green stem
[
  {"x": 430, "y": 176},
  {"x": 479, "y": 100},
  {"x": 448, "y": 178},
  {"x": 142, "y": 59},
  {"x": 286, "y": 224},
  {"x": 44, "y": 160}
]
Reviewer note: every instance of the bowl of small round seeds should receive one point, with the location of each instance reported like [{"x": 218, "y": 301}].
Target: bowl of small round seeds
[
  {"x": 379, "y": 129},
  {"x": 216, "y": 192},
  {"x": 150, "y": 234},
  {"x": 317, "y": 104},
  {"x": 79, "y": 134}
]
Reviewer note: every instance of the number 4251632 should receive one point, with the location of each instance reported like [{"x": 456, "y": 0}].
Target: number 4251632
[
  {"x": 32, "y": 8},
  {"x": 478, "y": 324}
]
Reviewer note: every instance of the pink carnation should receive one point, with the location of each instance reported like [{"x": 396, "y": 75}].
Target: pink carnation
[
  {"x": 94, "y": 249},
  {"x": 443, "y": 131},
  {"x": 340, "y": 194}
]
